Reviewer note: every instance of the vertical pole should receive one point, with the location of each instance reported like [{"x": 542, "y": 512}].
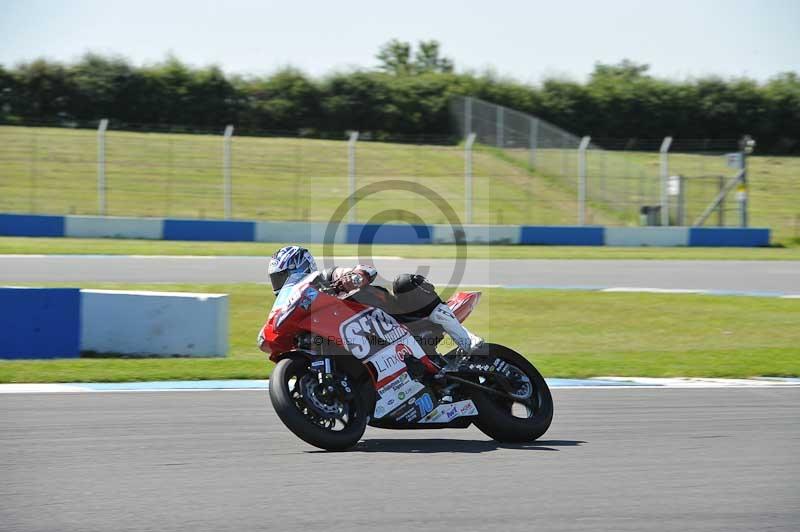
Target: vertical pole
[
  {"x": 628, "y": 177},
  {"x": 664, "y": 151},
  {"x": 351, "y": 173},
  {"x": 226, "y": 171},
  {"x": 582, "y": 180},
  {"x": 721, "y": 206},
  {"x": 468, "y": 178},
  {"x": 34, "y": 167},
  {"x": 467, "y": 116},
  {"x": 101, "y": 167},
  {"x": 603, "y": 173},
  {"x": 642, "y": 192},
  {"x": 747, "y": 144},
  {"x": 499, "y": 126},
  {"x": 534, "y": 140},
  {"x": 170, "y": 175}
]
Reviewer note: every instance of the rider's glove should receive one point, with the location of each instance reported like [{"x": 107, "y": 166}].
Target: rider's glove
[{"x": 353, "y": 280}]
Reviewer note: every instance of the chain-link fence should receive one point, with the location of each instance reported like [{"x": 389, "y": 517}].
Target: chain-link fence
[
  {"x": 516, "y": 170},
  {"x": 56, "y": 170},
  {"x": 637, "y": 181},
  {"x": 614, "y": 190},
  {"x": 265, "y": 176}
]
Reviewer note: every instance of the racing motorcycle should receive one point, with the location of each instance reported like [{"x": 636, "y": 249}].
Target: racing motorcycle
[{"x": 342, "y": 364}]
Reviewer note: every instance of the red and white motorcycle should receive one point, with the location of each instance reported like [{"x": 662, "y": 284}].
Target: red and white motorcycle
[{"x": 343, "y": 365}]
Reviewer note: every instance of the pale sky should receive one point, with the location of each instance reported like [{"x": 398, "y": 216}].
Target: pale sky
[{"x": 526, "y": 40}]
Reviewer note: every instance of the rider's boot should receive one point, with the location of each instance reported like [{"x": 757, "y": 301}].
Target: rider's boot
[{"x": 466, "y": 341}]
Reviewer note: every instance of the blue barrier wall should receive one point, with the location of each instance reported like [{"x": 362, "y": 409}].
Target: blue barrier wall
[
  {"x": 40, "y": 323},
  {"x": 31, "y": 225},
  {"x": 217, "y": 230},
  {"x": 316, "y": 232},
  {"x": 728, "y": 236},
  {"x": 388, "y": 234},
  {"x": 562, "y": 236}
]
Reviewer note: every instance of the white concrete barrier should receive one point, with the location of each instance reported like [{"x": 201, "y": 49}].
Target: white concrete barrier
[
  {"x": 306, "y": 232},
  {"x": 477, "y": 234},
  {"x": 113, "y": 227},
  {"x": 647, "y": 236},
  {"x": 154, "y": 323}
]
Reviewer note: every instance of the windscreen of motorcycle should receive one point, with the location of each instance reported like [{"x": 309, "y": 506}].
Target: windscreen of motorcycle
[
  {"x": 284, "y": 296},
  {"x": 290, "y": 295}
]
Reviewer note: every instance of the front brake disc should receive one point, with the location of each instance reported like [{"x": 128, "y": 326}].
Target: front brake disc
[{"x": 308, "y": 387}]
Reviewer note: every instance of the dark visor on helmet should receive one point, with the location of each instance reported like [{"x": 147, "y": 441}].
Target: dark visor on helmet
[{"x": 278, "y": 279}]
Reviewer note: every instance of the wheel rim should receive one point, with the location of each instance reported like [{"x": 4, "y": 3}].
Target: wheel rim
[
  {"x": 329, "y": 410},
  {"x": 527, "y": 397}
]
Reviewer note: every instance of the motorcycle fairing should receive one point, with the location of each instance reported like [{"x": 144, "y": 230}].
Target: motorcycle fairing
[
  {"x": 463, "y": 303},
  {"x": 397, "y": 396},
  {"x": 369, "y": 331},
  {"x": 449, "y": 411},
  {"x": 385, "y": 343}
]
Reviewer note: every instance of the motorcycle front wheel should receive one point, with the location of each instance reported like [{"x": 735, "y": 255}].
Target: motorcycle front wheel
[
  {"x": 331, "y": 420},
  {"x": 524, "y": 418}
]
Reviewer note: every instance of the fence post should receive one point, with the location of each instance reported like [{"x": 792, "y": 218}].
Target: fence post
[
  {"x": 226, "y": 170},
  {"x": 664, "y": 151},
  {"x": 746, "y": 146},
  {"x": 500, "y": 126},
  {"x": 101, "y": 167},
  {"x": 33, "y": 168},
  {"x": 627, "y": 172},
  {"x": 351, "y": 173},
  {"x": 467, "y": 116},
  {"x": 534, "y": 140},
  {"x": 603, "y": 174},
  {"x": 582, "y": 179},
  {"x": 468, "y": 178}
]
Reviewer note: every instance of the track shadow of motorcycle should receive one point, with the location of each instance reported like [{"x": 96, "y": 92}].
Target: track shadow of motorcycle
[{"x": 444, "y": 445}]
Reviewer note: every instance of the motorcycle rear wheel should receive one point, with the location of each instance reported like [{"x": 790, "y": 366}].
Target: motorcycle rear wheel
[
  {"x": 299, "y": 416},
  {"x": 496, "y": 416}
]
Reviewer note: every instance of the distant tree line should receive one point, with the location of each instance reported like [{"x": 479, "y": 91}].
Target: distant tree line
[{"x": 406, "y": 94}]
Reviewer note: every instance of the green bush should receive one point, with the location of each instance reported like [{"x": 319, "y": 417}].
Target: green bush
[{"x": 618, "y": 101}]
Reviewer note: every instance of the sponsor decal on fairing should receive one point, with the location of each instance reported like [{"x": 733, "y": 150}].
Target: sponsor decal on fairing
[
  {"x": 370, "y": 331},
  {"x": 448, "y": 412},
  {"x": 387, "y": 363},
  {"x": 309, "y": 296},
  {"x": 390, "y": 361},
  {"x": 392, "y": 395}
]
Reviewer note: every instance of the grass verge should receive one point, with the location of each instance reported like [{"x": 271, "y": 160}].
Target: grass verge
[
  {"x": 565, "y": 333},
  {"x": 107, "y": 246}
]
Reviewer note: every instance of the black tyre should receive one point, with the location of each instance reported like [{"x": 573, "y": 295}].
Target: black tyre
[
  {"x": 514, "y": 421},
  {"x": 334, "y": 423}
]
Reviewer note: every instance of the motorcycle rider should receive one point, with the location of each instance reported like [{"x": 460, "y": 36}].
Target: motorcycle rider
[{"x": 414, "y": 297}]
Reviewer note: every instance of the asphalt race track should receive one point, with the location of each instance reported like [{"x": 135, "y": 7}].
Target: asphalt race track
[
  {"x": 617, "y": 459},
  {"x": 620, "y": 459},
  {"x": 776, "y": 276}
]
